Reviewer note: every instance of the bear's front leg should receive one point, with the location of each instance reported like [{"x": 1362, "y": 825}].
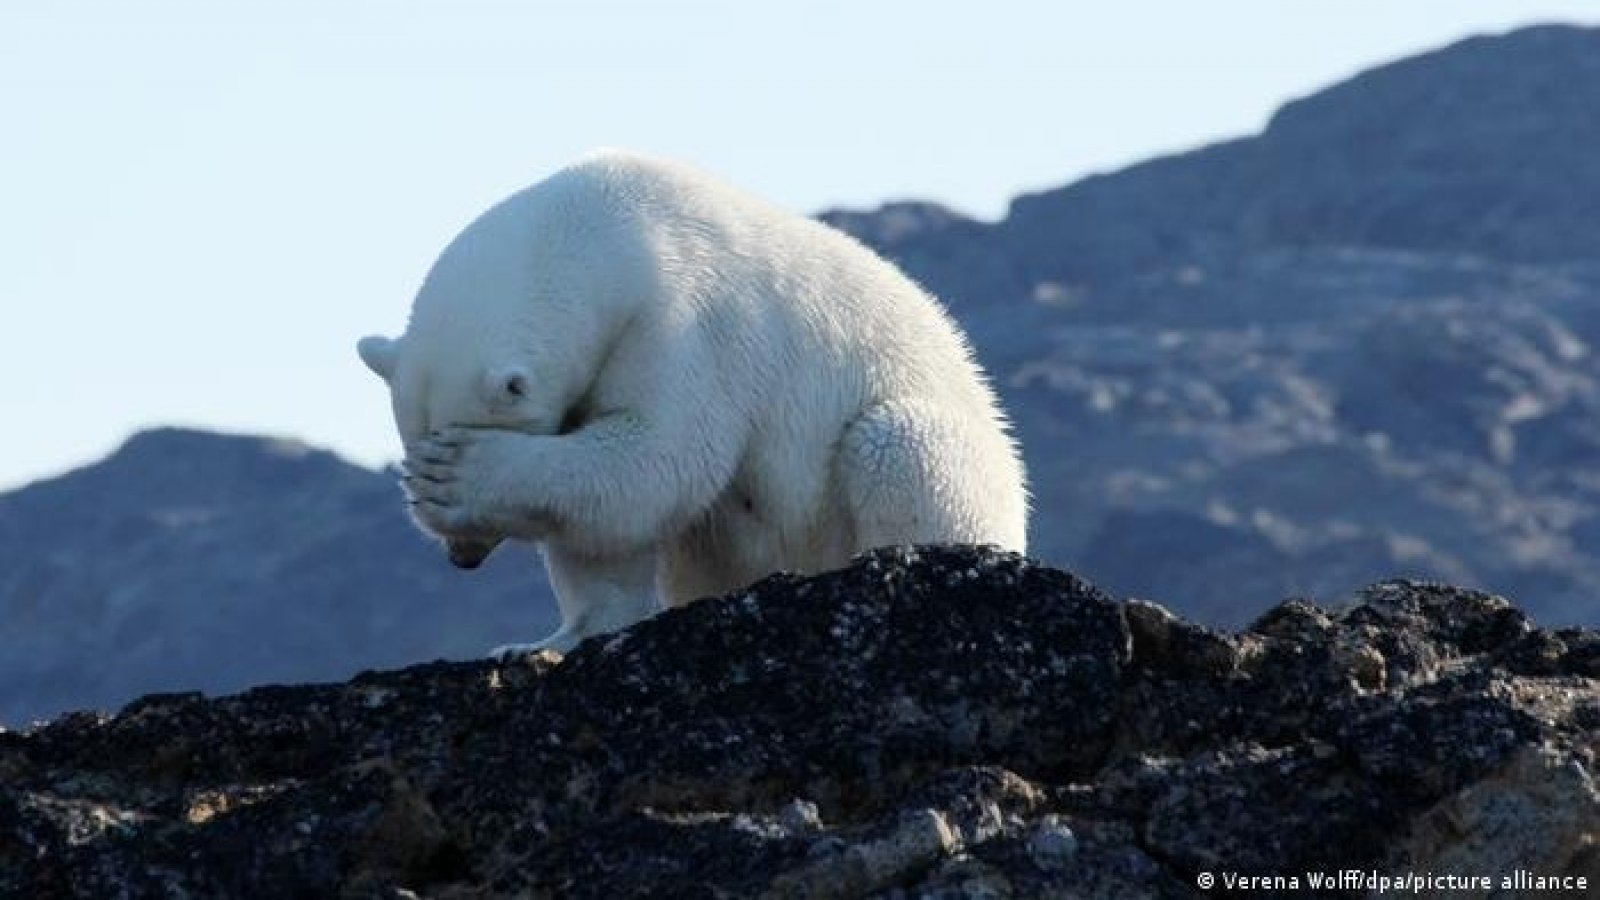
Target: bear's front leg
[
  {"x": 619, "y": 484},
  {"x": 596, "y": 594}
]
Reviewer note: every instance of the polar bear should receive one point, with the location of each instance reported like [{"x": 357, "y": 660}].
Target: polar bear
[{"x": 675, "y": 389}]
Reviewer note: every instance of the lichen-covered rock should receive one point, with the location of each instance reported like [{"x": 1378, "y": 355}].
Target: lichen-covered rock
[{"x": 927, "y": 722}]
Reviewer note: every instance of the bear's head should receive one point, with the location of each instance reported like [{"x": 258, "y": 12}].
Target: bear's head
[
  {"x": 426, "y": 395},
  {"x": 430, "y": 389},
  {"x": 516, "y": 322},
  {"x": 509, "y": 331}
]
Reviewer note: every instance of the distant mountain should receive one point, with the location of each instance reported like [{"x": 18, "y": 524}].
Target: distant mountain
[
  {"x": 189, "y": 560},
  {"x": 1363, "y": 344},
  {"x": 1485, "y": 148},
  {"x": 1360, "y": 344}
]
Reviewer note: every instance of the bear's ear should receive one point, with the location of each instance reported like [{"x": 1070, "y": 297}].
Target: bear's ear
[
  {"x": 505, "y": 385},
  {"x": 379, "y": 355}
]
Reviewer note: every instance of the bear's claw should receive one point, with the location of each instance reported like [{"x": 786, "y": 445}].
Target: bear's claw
[
  {"x": 446, "y": 496},
  {"x": 562, "y": 642}
]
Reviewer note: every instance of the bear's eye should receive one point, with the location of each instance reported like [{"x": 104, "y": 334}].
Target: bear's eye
[{"x": 517, "y": 385}]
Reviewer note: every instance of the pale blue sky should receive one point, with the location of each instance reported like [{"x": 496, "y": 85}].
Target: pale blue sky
[{"x": 204, "y": 204}]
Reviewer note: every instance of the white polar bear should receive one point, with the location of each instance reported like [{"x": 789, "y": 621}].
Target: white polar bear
[{"x": 677, "y": 389}]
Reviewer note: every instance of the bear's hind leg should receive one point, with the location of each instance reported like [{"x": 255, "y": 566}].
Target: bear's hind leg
[{"x": 915, "y": 474}]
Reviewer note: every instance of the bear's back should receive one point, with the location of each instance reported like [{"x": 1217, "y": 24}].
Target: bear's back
[{"x": 848, "y": 296}]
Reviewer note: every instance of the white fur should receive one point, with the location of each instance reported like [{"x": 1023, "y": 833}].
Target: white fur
[{"x": 745, "y": 391}]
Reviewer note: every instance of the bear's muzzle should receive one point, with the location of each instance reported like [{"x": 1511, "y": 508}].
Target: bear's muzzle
[{"x": 469, "y": 553}]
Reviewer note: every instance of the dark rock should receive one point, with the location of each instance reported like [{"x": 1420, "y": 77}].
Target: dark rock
[{"x": 927, "y": 722}]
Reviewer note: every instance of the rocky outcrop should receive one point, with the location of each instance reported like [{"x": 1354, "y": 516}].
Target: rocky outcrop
[{"x": 930, "y": 721}]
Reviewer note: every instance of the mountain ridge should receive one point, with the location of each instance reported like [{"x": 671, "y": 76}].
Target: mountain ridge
[
  {"x": 188, "y": 559},
  {"x": 1389, "y": 182}
]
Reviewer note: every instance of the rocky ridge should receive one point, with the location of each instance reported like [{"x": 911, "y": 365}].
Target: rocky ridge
[{"x": 927, "y": 722}]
